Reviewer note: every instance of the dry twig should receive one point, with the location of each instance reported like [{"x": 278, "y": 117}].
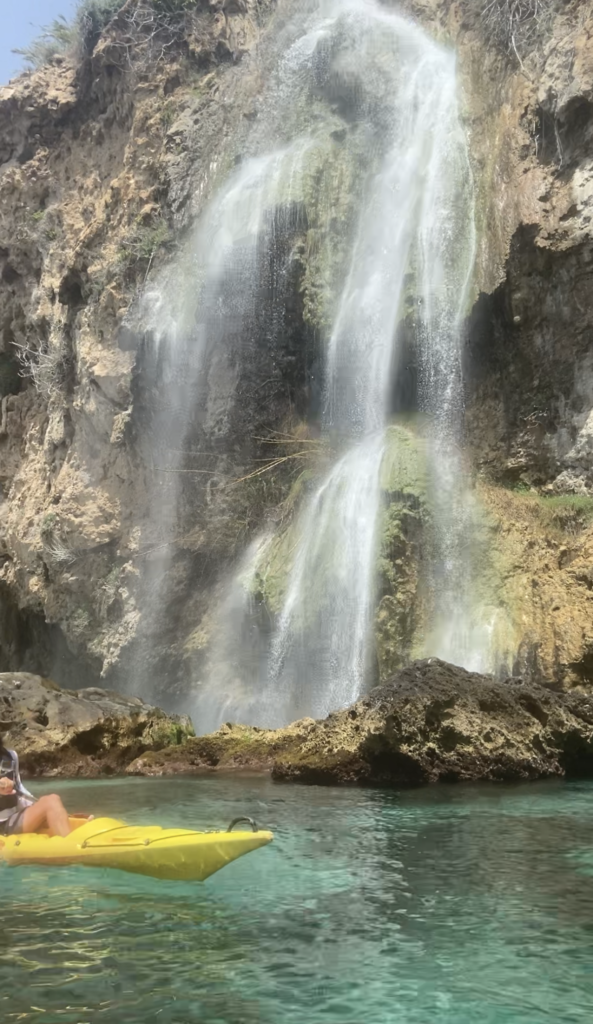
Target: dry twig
[{"x": 516, "y": 26}]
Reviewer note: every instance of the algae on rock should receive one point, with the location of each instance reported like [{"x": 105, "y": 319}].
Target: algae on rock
[{"x": 404, "y": 516}]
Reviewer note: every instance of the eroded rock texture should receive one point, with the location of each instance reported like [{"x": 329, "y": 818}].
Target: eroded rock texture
[
  {"x": 103, "y": 163},
  {"x": 431, "y": 722},
  {"x": 88, "y": 732}
]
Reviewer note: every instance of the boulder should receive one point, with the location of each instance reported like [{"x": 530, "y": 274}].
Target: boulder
[
  {"x": 432, "y": 722},
  {"x": 87, "y": 732}
]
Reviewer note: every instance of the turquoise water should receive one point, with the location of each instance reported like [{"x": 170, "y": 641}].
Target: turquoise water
[{"x": 445, "y": 906}]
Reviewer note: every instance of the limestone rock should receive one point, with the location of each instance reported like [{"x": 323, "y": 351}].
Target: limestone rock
[
  {"x": 99, "y": 171},
  {"x": 85, "y": 732},
  {"x": 432, "y": 722}
]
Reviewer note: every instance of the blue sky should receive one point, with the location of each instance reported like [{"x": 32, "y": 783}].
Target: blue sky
[{"x": 20, "y": 22}]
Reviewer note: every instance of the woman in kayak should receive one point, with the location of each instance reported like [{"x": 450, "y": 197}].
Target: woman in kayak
[{"x": 19, "y": 811}]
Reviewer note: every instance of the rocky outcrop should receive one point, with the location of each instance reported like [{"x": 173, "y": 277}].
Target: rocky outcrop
[
  {"x": 431, "y": 723},
  {"x": 87, "y": 732}
]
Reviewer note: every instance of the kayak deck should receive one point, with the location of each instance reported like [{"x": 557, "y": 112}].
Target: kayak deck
[{"x": 178, "y": 854}]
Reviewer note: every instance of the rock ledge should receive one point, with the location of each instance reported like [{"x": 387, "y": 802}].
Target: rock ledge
[
  {"x": 88, "y": 732},
  {"x": 431, "y": 723}
]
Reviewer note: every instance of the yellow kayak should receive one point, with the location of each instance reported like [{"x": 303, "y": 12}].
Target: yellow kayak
[{"x": 173, "y": 853}]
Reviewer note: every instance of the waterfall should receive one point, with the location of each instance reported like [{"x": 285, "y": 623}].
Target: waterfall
[
  {"x": 360, "y": 102},
  {"x": 194, "y": 311},
  {"x": 418, "y": 208},
  {"x": 238, "y": 648},
  {"x": 319, "y": 652}
]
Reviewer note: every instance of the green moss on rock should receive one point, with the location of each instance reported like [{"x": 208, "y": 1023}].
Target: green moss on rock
[{"x": 404, "y": 517}]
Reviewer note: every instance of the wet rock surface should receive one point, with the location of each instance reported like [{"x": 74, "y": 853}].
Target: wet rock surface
[
  {"x": 100, "y": 172},
  {"x": 87, "y": 732},
  {"x": 432, "y": 722}
]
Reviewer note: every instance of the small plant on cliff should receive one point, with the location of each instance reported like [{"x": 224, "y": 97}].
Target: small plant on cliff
[
  {"x": 92, "y": 16},
  {"x": 48, "y": 364},
  {"x": 55, "y": 548},
  {"x": 62, "y": 36},
  {"x": 58, "y": 552},
  {"x": 517, "y": 26},
  {"x": 54, "y": 39},
  {"x": 148, "y": 31},
  {"x": 141, "y": 246},
  {"x": 48, "y": 524},
  {"x": 47, "y": 367}
]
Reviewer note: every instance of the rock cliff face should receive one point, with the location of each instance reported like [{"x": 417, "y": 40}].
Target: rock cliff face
[
  {"x": 105, "y": 161},
  {"x": 102, "y": 159}
]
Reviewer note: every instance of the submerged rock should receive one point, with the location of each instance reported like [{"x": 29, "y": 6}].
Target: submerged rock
[
  {"x": 80, "y": 732},
  {"x": 432, "y": 722}
]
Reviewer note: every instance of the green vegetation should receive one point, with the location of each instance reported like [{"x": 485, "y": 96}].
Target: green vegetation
[
  {"x": 55, "y": 39},
  {"x": 96, "y": 14},
  {"x": 55, "y": 548},
  {"x": 144, "y": 242},
  {"x": 167, "y": 116},
  {"x": 147, "y": 19},
  {"x": 404, "y": 520},
  {"x": 166, "y": 734},
  {"x": 48, "y": 524},
  {"x": 565, "y": 513},
  {"x": 404, "y": 469},
  {"x": 62, "y": 36}
]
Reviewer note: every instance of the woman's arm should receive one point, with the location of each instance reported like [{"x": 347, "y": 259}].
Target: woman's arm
[{"x": 18, "y": 785}]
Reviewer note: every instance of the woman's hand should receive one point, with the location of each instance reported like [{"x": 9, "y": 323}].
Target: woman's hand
[{"x": 6, "y": 787}]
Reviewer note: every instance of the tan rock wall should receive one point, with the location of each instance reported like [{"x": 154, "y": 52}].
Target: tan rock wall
[
  {"x": 99, "y": 162},
  {"x": 102, "y": 167}
]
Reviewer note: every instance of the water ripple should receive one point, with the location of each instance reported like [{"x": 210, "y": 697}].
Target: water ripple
[{"x": 453, "y": 906}]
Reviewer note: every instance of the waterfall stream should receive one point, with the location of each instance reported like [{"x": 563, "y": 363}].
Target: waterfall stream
[
  {"x": 356, "y": 72},
  {"x": 418, "y": 212}
]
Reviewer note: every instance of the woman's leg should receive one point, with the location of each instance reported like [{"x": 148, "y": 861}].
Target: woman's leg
[{"x": 49, "y": 811}]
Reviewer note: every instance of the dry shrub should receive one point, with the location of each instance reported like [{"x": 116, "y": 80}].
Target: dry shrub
[
  {"x": 146, "y": 31},
  {"x": 518, "y": 26}
]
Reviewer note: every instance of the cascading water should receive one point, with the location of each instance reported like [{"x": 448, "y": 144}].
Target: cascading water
[
  {"x": 194, "y": 313},
  {"x": 355, "y": 72},
  {"x": 417, "y": 208}
]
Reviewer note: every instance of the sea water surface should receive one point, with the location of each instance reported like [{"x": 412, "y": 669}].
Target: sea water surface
[{"x": 444, "y": 906}]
